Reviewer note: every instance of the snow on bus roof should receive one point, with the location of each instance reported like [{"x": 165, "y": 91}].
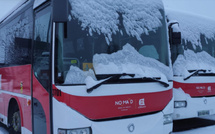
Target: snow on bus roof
[
  {"x": 192, "y": 26},
  {"x": 102, "y": 16}
]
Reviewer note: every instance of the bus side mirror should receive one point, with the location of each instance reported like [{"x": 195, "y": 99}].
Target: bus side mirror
[
  {"x": 60, "y": 10},
  {"x": 174, "y": 34}
]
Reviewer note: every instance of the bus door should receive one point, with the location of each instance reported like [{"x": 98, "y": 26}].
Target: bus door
[{"x": 41, "y": 70}]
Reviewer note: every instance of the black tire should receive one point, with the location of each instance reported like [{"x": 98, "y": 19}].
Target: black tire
[{"x": 14, "y": 121}]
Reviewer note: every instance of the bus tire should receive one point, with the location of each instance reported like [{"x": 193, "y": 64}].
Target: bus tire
[{"x": 14, "y": 120}]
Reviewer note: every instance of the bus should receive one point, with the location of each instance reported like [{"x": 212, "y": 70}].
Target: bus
[
  {"x": 192, "y": 43},
  {"x": 86, "y": 67}
]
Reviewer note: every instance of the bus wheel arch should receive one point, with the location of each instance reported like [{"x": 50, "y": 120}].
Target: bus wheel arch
[{"x": 14, "y": 122}]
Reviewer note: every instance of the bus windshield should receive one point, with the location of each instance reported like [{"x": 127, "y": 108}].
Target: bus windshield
[{"x": 79, "y": 44}]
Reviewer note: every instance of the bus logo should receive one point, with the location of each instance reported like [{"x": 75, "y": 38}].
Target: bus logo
[
  {"x": 142, "y": 102},
  {"x": 209, "y": 88}
]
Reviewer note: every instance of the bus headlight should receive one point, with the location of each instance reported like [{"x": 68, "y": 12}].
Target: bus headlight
[
  {"x": 167, "y": 119},
  {"x": 75, "y": 131},
  {"x": 180, "y": 104}
]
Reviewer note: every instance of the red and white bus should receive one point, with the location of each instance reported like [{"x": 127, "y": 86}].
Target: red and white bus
[
  {"x": 193, "y": 64},
  {"x": 86, "y": 67}
]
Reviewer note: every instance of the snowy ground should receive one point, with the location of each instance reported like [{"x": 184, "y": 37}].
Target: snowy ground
[{"x": 203, "y": 130}]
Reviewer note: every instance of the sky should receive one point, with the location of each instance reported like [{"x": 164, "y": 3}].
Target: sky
[
  {"x": 6, "y": 6},
  {"x": 201, "y": 7}
]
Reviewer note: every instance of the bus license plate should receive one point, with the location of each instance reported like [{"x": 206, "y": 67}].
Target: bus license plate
[{"x": 203, "y": 113}]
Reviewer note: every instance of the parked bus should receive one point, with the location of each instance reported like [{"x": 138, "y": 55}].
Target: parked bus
[
  {"x": 192, "y": 43},
  {"x": 86, "y": 67}
]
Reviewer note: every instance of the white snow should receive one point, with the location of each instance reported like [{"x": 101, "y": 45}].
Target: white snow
[
  {"x": 139, "y": 17},
  {"x": 192, "y": 26},
  {"x": 127, "y": 60},
  {"x": 193, "y": 61},
  {"x": 77, "y": 76}
]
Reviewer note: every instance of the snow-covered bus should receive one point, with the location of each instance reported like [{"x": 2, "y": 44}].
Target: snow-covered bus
[
  {"x": 193, "y": 59},
  {"x": 86, "y": 67}
]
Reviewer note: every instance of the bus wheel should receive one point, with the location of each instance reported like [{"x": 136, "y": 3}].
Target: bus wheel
[{"x": 15, "y": 122}]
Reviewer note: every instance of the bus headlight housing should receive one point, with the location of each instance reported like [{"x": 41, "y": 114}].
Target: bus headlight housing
[
  {"x": 167, "y": 119},
  {"x": 75, "y": 131},
  {"x": 180, "y": 104}
]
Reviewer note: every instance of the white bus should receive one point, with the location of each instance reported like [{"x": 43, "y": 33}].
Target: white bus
[
  {"x": 193, "y": 64},
  {"x": 86, "y": 67}
]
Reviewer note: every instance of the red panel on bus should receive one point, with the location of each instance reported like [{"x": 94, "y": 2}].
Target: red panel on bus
[
  {"x": 196, "y": 89},
  {"x": 103, "y": 107},
  {"x": 16, "y": 79}
]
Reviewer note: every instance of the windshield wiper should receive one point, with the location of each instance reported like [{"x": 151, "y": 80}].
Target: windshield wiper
[
  {"x": 117, "y": 76},
  {"x": 194, "y": 73},
  {"x": 111, "y": 78},
  {"x": 155, "y": 80}
]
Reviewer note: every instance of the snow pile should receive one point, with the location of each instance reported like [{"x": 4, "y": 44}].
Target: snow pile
[
  {"x": 139, "y": 16},
  {"x": 128, "y": 60},
  {"x": 192, "y": 26},
  {"x": 77, "y": 76},
  {"x": 193, "y": 61}
]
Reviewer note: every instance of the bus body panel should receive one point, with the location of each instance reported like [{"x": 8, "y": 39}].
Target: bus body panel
[
  {"x": 112, "y": 106},
  {"x": 142, "y": 124},
  {"x": 15, "y": 84},
  {"x": 198, "y": 92},
  {"x": 42, "y": 96},
  {"x": 197, "y": 86}
]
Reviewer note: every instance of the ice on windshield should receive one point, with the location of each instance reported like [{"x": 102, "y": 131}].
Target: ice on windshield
[
  {"x": 102, "y": 16},
  {"x": 193, "y": 61}
]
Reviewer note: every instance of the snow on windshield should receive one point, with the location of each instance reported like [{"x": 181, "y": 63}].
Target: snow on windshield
[
  {"x": 192, "y": 26},
  {"x": 193, "y": 61},
  {"x": 102, "y": 16},
  {"x": 127, "y": 60}
]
